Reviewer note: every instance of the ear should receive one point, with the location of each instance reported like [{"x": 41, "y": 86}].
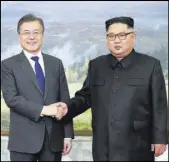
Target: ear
[
  {"x": 107, "y": 43},
  {"x": 19, "y": 38},
  {"x": 134, "y": 37},
  {"x": 42, "y": 35}
]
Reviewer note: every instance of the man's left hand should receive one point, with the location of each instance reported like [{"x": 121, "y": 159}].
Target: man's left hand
[
  {"x": 67, "y": 146},
  {"x": 159, "y": 149}
]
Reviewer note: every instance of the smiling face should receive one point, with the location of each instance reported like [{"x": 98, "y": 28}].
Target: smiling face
[
  {"x": 120, "y": 40},
  {"x": 31, "y": 36}
]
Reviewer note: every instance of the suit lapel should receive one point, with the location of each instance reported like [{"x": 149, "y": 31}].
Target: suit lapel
[
  {"x": 25, "y": 65},
  {"x": 47, "y": 73}
]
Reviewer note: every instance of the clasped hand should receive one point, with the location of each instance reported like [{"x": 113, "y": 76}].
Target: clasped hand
[{"x": 61, "y": 110}]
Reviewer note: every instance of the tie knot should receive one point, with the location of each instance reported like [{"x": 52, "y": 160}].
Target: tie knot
[{"x": 35, "y": 58}]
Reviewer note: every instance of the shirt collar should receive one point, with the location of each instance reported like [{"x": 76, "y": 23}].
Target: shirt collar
[
  {"x": 29, "y": 55},
  {"x": 124, "y": 63}
]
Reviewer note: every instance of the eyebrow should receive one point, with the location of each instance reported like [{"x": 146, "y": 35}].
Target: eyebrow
[
  {"x": 29, "y": 30},
  {"x": 121, "y": 32},
  {"x": 117, "y": 33}
]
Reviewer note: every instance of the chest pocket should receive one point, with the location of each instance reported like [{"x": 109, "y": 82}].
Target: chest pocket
[
  {"x": 97, "y": 81},
  {"x": 137, "y": 82}
]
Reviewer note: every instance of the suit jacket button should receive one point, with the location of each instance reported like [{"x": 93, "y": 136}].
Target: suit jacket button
[
  {"x": 113, "y": 105},
  {"x": 116, "y": 77}
]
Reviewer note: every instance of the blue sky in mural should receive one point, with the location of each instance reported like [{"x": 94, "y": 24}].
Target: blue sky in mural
[
  {"x": 83, "y": 11},
  {"x": 76, "y": 30}
]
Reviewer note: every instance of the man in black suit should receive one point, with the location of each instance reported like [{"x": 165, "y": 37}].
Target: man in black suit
[
  {"x": 32, "y": 82},
  {"x": 127, "y": 95}
]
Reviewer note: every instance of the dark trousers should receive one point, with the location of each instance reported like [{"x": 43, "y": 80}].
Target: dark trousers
[{"x": 45, "y": 154}]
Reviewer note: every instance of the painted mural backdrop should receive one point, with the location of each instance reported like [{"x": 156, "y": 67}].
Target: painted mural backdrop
[{"x": 75, "y": 33}]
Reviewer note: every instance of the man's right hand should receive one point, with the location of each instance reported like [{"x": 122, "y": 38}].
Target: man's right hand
[
  {"x": 62, "y": 110},
  {"x": 54, "y": 110}
]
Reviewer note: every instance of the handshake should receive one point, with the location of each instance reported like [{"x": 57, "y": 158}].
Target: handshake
[{"x": 57, "y": 110}]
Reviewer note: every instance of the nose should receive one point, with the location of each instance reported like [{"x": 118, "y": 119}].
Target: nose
[
  {"x": 117, "y": 40},
  {"x": 31, "y": 36}
]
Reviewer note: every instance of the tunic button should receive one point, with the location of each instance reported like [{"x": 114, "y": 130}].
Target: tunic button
[
  {"x": 114, "y": 90},
  {"x": 112, "y": 121}
]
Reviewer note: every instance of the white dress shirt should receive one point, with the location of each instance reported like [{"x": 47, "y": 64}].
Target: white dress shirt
[{"x": 32, "y": 62}]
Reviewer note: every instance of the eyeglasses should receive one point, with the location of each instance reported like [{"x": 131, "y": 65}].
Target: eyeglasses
[
  {"x": 121, "y": 36},
  {"x": 28, "y": 33}
]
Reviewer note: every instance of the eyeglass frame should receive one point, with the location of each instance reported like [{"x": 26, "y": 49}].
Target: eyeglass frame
[
  {"x": 27, "y": 36},
  {"x": 117, "y": 35}
]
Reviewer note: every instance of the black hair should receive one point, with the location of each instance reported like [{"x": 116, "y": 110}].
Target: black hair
[
  {"x": 124, "y": 20},
  {"x": 29, "y": 18}
]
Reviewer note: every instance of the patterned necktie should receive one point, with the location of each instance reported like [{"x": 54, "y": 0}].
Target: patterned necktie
[{"x": 39, "y": 73}]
